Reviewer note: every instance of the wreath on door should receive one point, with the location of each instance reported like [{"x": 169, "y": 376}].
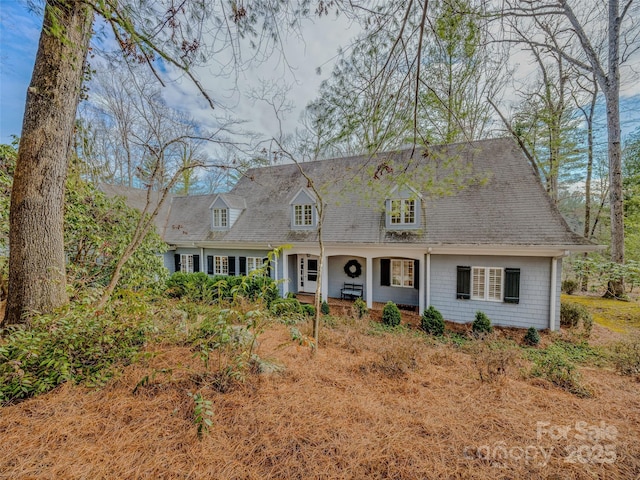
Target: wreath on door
[{"x": 353, "y": 268}]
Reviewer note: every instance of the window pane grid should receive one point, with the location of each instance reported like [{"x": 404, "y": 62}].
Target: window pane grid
[
  {"x": 402, "y": 273},
  {"x": 303, "y": 215},
  {"x": 186, "y": 263},
  {"x": 403, "y": 212},
  {"x": 221, "y": 265},
  {"x": 219, "y": 217},
  {"x": 253, "y": 263}
]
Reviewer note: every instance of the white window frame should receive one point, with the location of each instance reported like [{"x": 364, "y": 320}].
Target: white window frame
[
  {"x": 220, "y": 218},
  {"x": 303, "y": 215},
  {"x": 487, "y": 284},
  {"x": 254, "y": 263},
  {"x": 403, "y": 211},
  {"x": 186, "y": 263},
  {"x": 220, "y": 265},
  {"x": 406, "y": 272}
]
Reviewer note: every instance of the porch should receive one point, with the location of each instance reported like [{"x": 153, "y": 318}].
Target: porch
[{"x": 338, "y": 306}]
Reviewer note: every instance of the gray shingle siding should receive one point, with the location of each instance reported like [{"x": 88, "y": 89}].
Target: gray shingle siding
[{"x": 535, "y": 285}]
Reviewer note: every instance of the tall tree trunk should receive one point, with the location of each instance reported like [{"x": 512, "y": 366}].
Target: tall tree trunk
[
  {"x": 584, "y": 281},
  {"x": 612, "y": 96},
  {"x": 37, "y": 278}
]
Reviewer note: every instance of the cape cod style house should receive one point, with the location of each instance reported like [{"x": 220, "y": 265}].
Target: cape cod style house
[{"x": 466, "y": 227}]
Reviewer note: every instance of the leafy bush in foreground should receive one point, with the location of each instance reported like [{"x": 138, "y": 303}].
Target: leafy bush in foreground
[{"x": 78, "y": 345}]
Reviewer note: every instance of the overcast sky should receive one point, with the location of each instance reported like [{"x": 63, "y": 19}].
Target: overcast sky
[{"x": 20, "y": 30}]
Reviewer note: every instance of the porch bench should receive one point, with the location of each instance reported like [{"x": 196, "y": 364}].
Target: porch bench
[{"x": 351, "y": 291}]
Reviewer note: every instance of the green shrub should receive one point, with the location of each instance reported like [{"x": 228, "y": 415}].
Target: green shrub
[
  {"x": 78, "y": 345},
  {"x": 360, "y": 307},
  {"x": 481, "y": 324},
  {"x": 309, "y": 310},
  {"x": 626, "y": 357},
  {"x": 432, "y": 321},
  {"x": 324, "y": 308},
  {"x": 200, "y": 287},
  {"x": 554, "y": 365},
  {"x": 569, "y": 286},
  {"x": 391, "y": 314},
  {"x": 571, "y": 314},
  {"x": 532, "y": 337},
  {"x": 282, "y": 307}
]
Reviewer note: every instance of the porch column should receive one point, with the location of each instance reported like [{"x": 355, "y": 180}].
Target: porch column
[
  {"x": 369, "y": 282},
  {"x": 428, "y": 281},
  {"x": 325, "y": 278},
  {"x": 421, "y": 286},
  {"x": 285, "y": 274},
  {"x": 203, "y": 261}
]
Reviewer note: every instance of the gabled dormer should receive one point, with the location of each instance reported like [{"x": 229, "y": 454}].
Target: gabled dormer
[
  {"x": 225, "y": 210},
  {"x": 303, "y": 210},
  {"x": 403, "y": 208}
]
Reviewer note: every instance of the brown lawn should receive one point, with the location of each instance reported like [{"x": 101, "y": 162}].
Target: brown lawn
[{"x": 365, "y": 406}]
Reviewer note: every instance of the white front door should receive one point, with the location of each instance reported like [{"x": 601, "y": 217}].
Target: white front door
[{"x": 307, "y": 274}]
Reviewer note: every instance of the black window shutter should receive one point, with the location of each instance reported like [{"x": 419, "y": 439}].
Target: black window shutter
[
  {"x": 463, "y": 288},
  {"x": 232, "y": 265},
  {"x": 196, "y": 263},
  {"x": 176, "y": 259},
  {"x": 416, "y": 274},
  {"x": 512, "y": 285},
  {"x": 265, "y": 261},
  {"x": 209, "y": 264},
  {"x": 243, "y": 266},
  {"x": 385, "y": 272}
]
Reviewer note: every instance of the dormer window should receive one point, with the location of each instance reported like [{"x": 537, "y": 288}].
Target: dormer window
[
  {"x": 220, "y": 218},
  {"x": 403, "y": 211},
  {"x": 303, "y": 216}
]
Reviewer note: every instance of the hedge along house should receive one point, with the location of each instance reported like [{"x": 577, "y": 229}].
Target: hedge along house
[{"x": 466, "y": 227}]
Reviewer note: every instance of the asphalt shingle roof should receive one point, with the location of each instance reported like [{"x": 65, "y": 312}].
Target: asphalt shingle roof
[{"x": 475, "y": 193}]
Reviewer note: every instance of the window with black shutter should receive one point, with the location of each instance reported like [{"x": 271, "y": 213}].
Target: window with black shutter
[
  {"x": 512, "y": 285},
  {"x": 463, "y": 283},
  {"x": 242, "y": 266},
  {"x": 416, "y": 274},
  {"x": 176, "y": 259},
  {"x": 265, "y": 261},
  {"x": 385, "y": 272},
  {"x": 209, "y": 264},
  {"x": 196, "y": 263},
  {"x": 232, "y": 265}
]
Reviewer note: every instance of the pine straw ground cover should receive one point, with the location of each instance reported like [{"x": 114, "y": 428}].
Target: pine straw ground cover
[{"x": 383, "y": 405}]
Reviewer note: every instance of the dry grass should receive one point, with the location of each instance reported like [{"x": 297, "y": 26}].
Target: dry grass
[{"x": 365, "y": 406}]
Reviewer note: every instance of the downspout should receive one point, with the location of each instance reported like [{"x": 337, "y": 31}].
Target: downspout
[{"x": 552, "y": 292}]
